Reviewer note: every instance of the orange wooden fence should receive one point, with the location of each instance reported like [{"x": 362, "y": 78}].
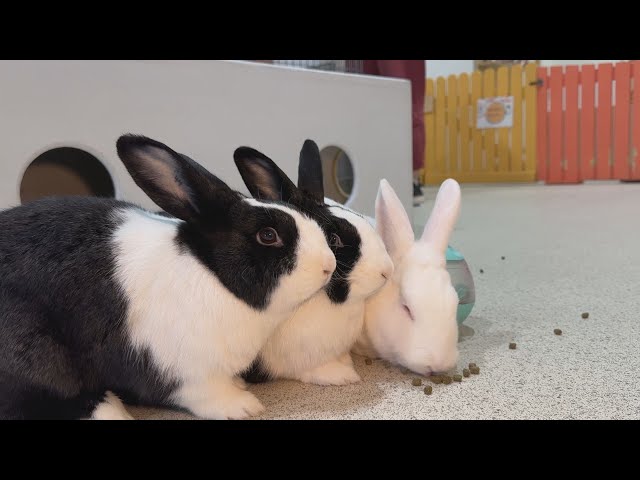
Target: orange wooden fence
[{"x": 588, "y": 124}]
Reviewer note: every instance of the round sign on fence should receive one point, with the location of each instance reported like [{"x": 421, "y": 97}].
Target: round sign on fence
[{"x": 495, "y": 112}]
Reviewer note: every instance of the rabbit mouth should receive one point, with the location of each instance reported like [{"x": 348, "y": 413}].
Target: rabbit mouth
[{"x": 407, "y": 310}]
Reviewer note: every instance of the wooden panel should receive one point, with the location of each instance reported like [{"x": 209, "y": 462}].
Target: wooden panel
[
  {"x": 488, "y": 90},
  {"x": 603, "y": 122},
  {"x": 531, "y": 107},
  {"x": 587, "y": 123},
  {"x": 621, "y": 128},
  {"x": 634, "y": 168},
  {"x": 463, "y": 93},
  {"x": 439, "y": 163},
  {"x": 503, "y": 133},
  {"x": 515, "y": 153},
  {"x": 478, "y": 135},
  {"x": 542, "y": 128},
  {"x": 429, "y": 132},
  {"x": 555, "y": 126},
  {"x": 452, "y": 123},
  {"x": 571, "y": 125}
]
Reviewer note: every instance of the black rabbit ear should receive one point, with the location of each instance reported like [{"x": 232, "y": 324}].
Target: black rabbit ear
[
  {"x": 175, "y": 182},
  {"x": 262, "y": 176},
  {"x": 310, "y": 177}
]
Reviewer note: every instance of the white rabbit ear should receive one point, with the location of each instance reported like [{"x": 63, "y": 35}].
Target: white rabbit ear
[
  {"x": 392, "y": 222},
  {"x": 443, "y": 216}
]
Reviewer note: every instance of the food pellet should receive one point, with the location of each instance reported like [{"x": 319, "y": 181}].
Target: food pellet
[
  {"x": 512, "y": 346},
  {"x": 585, "y": 315},
  {"x": 457, "y": 378},
  {"x": 475, "y": 370},
  {"x": 368, "y": 361},
  {"x": 465, "y": 372},
  {"x": 436, "y": 379},
  {"x": 557, "y": 331},
  {"x": 471, "y": 365},
  {"x": 404, "y": 370},
  {"x": 416, "y": 382},
  {"x": 428, "y": 390},
  {"x": 446, "y": 379}
]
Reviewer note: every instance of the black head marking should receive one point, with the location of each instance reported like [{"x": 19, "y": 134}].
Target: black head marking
[
  {"x": 346, "y": 257},
  {"x": 247, "y": 268},
  {"x": 310, "y": 176}
]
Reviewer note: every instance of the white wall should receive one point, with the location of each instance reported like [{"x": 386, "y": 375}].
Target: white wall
[
  {"x": 443, "y": 68},
  {"x": 204, "y": 109}
]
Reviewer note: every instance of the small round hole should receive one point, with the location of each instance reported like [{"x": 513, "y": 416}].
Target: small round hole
[
  {"x": 338, "y": 173},
  {"x": 65, "y": 171}
]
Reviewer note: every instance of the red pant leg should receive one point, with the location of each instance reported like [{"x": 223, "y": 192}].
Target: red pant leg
[
  {"x": 415, "y": 71},
  {"x": 370, "y": 67}
]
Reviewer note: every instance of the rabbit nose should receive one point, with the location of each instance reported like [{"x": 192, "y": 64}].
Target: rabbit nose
[
  {"x": 328, "y": 264},
  {"x": 388, "y": 271},
  {"x": 445, "y": 362}
]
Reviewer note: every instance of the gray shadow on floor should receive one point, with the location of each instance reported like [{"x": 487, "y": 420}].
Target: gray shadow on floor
[
  {"x": 465, "y": 333},
  {"x": 292, "y": 399},
  {"x": 483, "y": 337}
]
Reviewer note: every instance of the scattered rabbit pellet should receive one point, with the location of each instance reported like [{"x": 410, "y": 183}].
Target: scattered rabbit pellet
[
  {"x": 457, "y": 378},
  {"x": 416, "y": 382},
  {"x": 481, "y": 271},
  {"x": 512, "y": 346},
  {"x": 585, "y": 315},
  {"x": 428, "y": 390},
  {"x": 502, "y": 257},
  {"x": 368, "y": 361},
  {"x": 437, "y": 379},
  {"x": 471, "y": 365},
  {"x": 475, "y": 370},
  {"x": 446, "y": 379},
  {"x": 404, "y": 370},
  {"x": 557, "y": 331},
  {"x": 465, "y": 372}
]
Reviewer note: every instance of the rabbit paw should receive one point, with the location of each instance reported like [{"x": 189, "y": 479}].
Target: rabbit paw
[
  {"x": 220, "y": 400},
  {"x": 240, "y": 383},
  {"x": 332, "y": 373},
  {"x": 111, "y": 408},
  {"x": 346, "y": 359}
]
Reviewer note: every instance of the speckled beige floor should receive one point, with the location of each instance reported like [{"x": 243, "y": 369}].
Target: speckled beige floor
[{"x": 568, "y": 249}]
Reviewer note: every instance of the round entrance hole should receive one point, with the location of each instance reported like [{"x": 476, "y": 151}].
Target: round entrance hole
[
  {"x": 65, "y": 171},
  {"x": 338, "y": 173}
]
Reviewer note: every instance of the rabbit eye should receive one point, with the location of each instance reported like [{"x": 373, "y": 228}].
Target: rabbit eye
[
  {"x": 269, "y": 237},
  {"x": 335, "y": 241}
]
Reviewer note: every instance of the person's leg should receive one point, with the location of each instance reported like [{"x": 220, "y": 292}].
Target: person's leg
[
  {"x": 415, "y": 71},
  {"x": 370, "y": 67}
]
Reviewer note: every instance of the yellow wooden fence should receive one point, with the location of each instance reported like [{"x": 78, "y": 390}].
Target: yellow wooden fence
[{"x": 456, "y": 148}]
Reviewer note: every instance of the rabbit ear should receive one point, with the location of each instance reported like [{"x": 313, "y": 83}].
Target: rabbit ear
[
  {"x": 443, "y": 216},
  {"x": 392, "y": 222},
  {"x": 262, "y": 176},
  {"x": 175, "y": 182},
  {"x": 310, "y": 176}
]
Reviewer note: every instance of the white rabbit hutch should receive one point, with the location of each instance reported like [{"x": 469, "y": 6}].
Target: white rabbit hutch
[{"x": 59, "y": 121}]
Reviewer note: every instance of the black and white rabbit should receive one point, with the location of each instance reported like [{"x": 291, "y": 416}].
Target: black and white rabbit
[
  {"x": 101, "y": 300},
  {"x": 313, "y": 345}
]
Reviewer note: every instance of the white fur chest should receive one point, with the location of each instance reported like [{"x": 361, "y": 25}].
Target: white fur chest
[
  {"x": 178, "y": 309},
  {"x": 318, "y": 332}
]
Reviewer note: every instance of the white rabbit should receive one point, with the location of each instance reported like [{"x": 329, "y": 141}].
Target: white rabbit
[
  {"x": 411, "y": 321},
  {"x": 313, "y": 346}
]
